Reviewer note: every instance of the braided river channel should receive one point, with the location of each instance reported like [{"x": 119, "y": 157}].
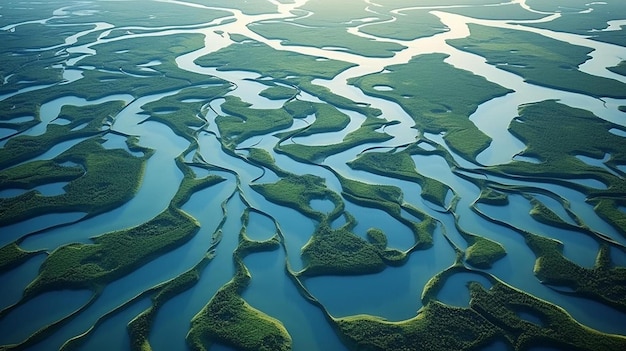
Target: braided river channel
[{"x": 181, "y": 88}]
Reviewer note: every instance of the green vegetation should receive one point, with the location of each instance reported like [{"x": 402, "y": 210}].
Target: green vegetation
[
  {"x": 327, "y": 118},
  {"x": 367, "y": 133},
  {"x": 619, "y": 69},
  {"x": 552, "y": 133},
  {"x": 340, "y": 252},
  {"x": 24, "y": 147},
  {"x": 493, "y": 197},
  {"x": 182, "y": 112},
  {"x": 575, "y": 18},
  {"x": 269, "y": 62},
  {"x": 438, "y": 97},
  {"x": 400, "y": 165},
  {"x": 112, "y": 255},
  {"x": 11, "y": 256},
  {"x": 109, "y": 179},
  {"x": 389, "y": 199},
  {"x": 603, "y": 282},
  {"x": 297, "y": 192},
  {"x": 539, "y": 60},
  {"x": 325, "y": 37},
  {"x": 279, "y": 92},
  {"x": 412, "y": 25},
  {"x": 228, "y": 319},
  {"x": 436, "y": 327},
  {"x": 482, "y": 252},
  {"x": 243, "y": 122},
  {"x": 493, "y": 315}
]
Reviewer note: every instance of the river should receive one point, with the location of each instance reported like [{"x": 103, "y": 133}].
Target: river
[{"x": 393, "y": 293}]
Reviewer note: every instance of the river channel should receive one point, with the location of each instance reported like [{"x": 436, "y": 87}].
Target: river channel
[{"x": 394, "y": 293}]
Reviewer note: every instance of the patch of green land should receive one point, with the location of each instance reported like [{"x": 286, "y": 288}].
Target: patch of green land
[
  {"x": 243, "y": 122},
  {"x": 367, "y": 133},
  {"x": 257, "y": 57},
  {"x": 104, "y": 179},
  {"x": 604, "y": 282},
  {"x": 576, "y": 19},
  {"x": 12, "y": 256},
  {"x": 400, "y": 165},
  {"x": 553, "y": 133},
  {"x": 439, "y": 98},
  {"x": 229, "y": 320},
  {"x": 493, "y": 315},
  {"x": 539, "y": 60}
]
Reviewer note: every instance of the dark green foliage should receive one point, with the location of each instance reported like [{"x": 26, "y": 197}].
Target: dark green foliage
[
  {"x": 436, "y": 327},
  {"x": 400, "y": 165},
  {"x": 493, "y": 197},
  {"x": 438, "y": 97},
  {"x": 493, "y": 315},
  {"x": 110, "y": 178},
  {"x": 229, "y": 320},
  {"x": 243, "y": 122},
  {"x": 24, "y": 147},
  {"x": 260, "y": 58},
  {"x": 553, "y": 134},
  {"x": 539, "y": 60},
  {"x": 604, "y": 282},
  {"x": 327, "y": 118},
  {"x": 297, "y": 192},
  {"x": 482, "y": 252},
  {"x": 183, "y": 116},
  {"x": 12, "y": 256},
  {"x": 90, "y": 266},
  {"x": 279, "y": 92},
  {"x": 501, "y": 305},
  {"x": 340, "y": 252},
  {"x": 367, "y": 133}
]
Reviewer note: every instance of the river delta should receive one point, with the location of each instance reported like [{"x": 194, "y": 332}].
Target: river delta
[{"x": 313, "y": 175}]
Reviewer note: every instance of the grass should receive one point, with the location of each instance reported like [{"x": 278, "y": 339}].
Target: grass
[
  {"x": 112, "y": 255},
  {"x": 182, "y": 112},
  {"x": 539, "y": 60},
  {"x": 279, "y": 92},
  {"x": 438, "y": 97},
  {"x": 289, "y": 33},
  {"x": 583, "y": 23},
  {"x": 482, "y": 252},
  {"x": 555, "y": 134},
  {"x": 228, "y": 319},
  {"x": 327, "y": 118},
  {"x": 24, "y": 147}
]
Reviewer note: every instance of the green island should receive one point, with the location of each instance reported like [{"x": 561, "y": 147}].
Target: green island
[
  {"x": 539, "y": 60},
  {"x": 228, "y": 319},
  {"x": 102, "y": 179},
  {"x": 493, "y": 315},
  {"x": 439, "y": 97}
]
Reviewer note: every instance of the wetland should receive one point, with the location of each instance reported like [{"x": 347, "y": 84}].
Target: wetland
[{"x": 309, "y": 175}]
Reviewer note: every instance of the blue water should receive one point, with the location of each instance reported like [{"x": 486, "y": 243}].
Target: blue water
[
  {"x": 393, "y": 294},
  {"x": 42, "y": 310},
  {"x": 305, "y": 322},
  {"x": 14, "y": 281}
]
